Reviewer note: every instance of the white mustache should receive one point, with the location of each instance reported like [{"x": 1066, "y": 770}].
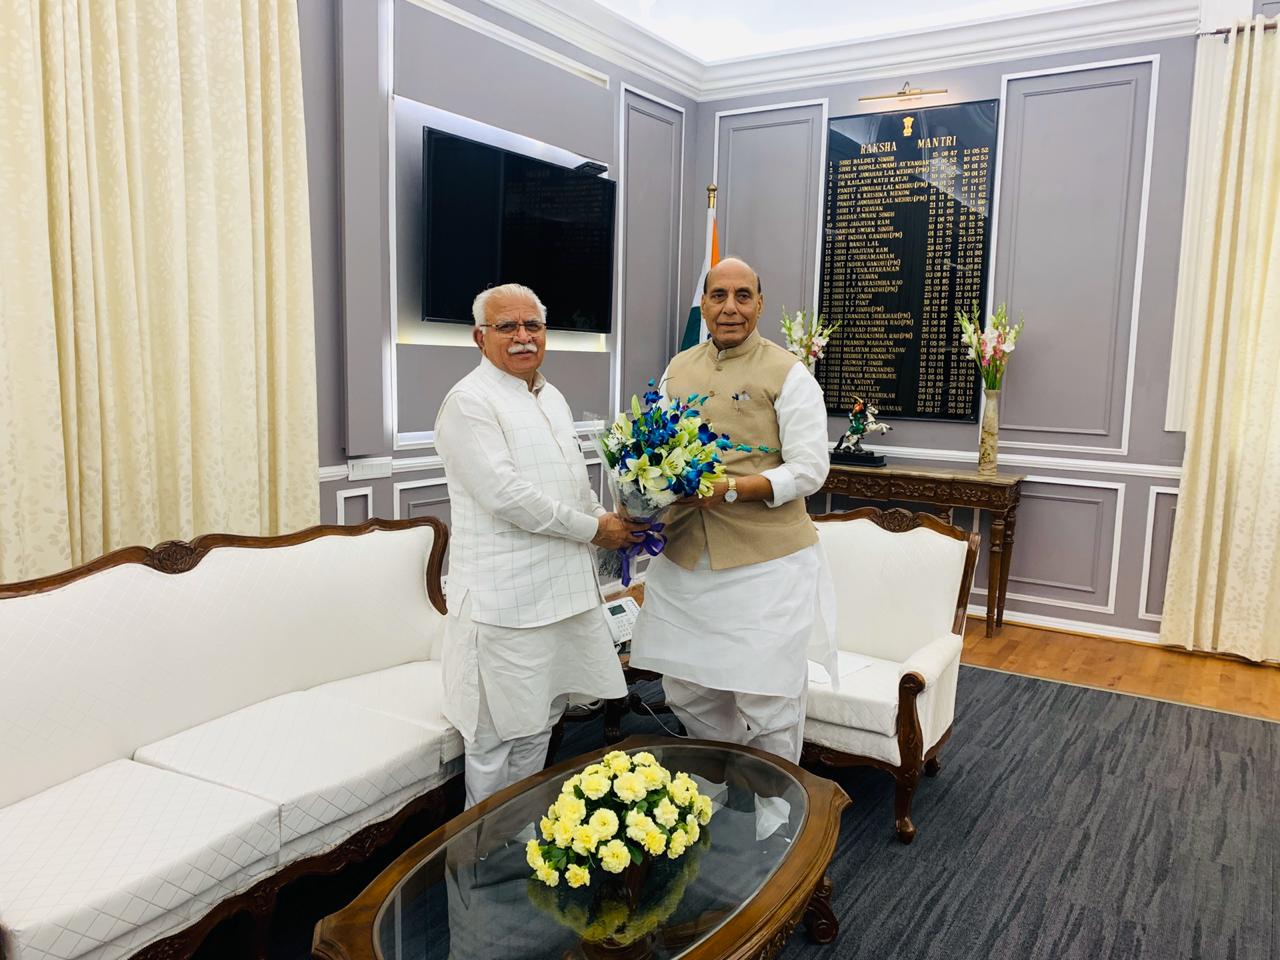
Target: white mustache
[{"x": 522, "y": 348}]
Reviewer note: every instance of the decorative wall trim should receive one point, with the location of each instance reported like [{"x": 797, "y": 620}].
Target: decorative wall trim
[
  {"x": 1152, "y": 493},
  {"x": 599, "y": 31},
  {"x": 1140, "y": 250},
  {"x": 619, "y": 341},
  {"x": 398, "y": 488},
  {"x": 1110, "y": 606},
  {"x": 336, "y": 472},
  {"x": 1084, "y": 627},
  {"x": 351, "y": 493},
  {"x": 1110, "y": 467},
  {"x": 469, "y": 20}
]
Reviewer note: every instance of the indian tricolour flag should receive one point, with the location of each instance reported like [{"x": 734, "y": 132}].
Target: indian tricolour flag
[{"x": 695, "y": 328}]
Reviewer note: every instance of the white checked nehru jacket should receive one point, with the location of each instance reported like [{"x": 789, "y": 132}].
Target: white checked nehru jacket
[{"x": 517, "y": 577}]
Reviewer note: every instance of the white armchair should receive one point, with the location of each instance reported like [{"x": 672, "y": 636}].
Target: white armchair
[{"x": 902, "y": 586}]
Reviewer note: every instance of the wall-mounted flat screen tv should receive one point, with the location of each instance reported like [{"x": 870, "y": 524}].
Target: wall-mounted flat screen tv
[{"x": 492, "y": 216}]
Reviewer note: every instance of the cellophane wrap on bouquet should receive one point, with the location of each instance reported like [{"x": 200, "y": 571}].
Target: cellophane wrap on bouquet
[{"x": 657, "y": 453}]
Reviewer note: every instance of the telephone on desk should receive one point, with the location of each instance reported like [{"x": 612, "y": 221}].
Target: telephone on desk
[{"x": 621, "y": 615}]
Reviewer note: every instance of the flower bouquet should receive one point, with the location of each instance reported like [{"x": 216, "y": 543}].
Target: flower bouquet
[
  {"x": 614, "y": 813},
  {"x": 612, "y": 917},
  {"x": 657, "y": 454},
  {"x": 989, "y": 348},
  {"x": 807, "y": 335}
]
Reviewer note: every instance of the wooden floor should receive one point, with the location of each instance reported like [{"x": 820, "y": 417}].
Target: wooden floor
[{"x": 1149, "y": 670}]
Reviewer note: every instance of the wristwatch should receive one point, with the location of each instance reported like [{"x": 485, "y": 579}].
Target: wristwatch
[{"x": 732, "y": 493}]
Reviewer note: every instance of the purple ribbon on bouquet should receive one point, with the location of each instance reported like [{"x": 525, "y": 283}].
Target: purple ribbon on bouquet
[{"x": 652, "y": 544}]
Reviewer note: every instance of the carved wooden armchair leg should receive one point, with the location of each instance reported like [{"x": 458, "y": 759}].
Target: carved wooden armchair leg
[
  {"x": 910, "y": 752},
  {"x": 932, "y": 766}
]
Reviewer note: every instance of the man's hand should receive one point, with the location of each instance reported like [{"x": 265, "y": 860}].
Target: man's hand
[
  {"x": 614, "y": 532},
  {"x": 716, "y": 498}
]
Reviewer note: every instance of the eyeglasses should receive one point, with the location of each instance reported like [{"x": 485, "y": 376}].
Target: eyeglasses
[{"x": 509, "y": 327}]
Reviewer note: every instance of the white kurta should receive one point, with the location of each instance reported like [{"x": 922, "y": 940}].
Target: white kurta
[
  {"x": 751, "y": 629},
  {"x": 481, "y": 434}
]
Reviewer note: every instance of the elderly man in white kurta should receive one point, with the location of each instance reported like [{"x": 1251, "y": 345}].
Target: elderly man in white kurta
[
  {"x": 525, "y": 626},
  {"x": 732, "y": 606}
]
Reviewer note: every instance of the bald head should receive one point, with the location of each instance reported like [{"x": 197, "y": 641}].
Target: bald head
[
  {"x": 706, "y": 281},
  {"x": 732, "y": 302}
]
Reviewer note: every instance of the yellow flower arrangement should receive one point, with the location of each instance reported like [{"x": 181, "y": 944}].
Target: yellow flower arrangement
[
  {"x": 612, "y": 814},
  {"x": 615, "y": 914}
]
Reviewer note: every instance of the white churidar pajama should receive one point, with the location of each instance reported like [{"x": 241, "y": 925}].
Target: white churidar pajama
[
  {"x": 733, "y": 645},
  {"x": 525, "y": 626}
]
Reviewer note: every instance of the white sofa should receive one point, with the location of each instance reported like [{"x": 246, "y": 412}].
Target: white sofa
[
  {"x": 902, "y": 589},
  {"x": 185, "y": 729}
]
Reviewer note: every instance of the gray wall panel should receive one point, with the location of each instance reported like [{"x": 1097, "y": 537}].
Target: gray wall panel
[
  {"x": 318, "y": 39},
  {"x": 452, "y": 67},
  {"x": 1067, "y": 250},
  {"x": 767, "y": 208},
  {"x": 1064, "y": 545},
  {"x": 650, "y": 199},
  {"x": 425, "y": 374},
  {"x": 1166, "y": 509},
  {"x": 363, "y": 30}
]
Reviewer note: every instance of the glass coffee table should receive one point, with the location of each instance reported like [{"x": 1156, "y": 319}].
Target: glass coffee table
[{"x": 466, "y": 893}]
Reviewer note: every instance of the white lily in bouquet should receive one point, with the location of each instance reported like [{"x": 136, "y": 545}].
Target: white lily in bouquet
[{"x": 657, "y": 454}]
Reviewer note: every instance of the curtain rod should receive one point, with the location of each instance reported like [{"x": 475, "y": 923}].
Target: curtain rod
[{"x": 1227, "y": 31}]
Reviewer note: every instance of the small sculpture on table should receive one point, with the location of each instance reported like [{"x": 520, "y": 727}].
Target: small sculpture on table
[{"x": 862, "y": 421}]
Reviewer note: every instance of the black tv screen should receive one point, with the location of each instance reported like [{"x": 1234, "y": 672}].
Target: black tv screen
[{"x": 492, "y": 216}]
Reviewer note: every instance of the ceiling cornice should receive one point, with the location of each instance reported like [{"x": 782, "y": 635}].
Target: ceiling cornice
[{"x": 598, "y": 30}]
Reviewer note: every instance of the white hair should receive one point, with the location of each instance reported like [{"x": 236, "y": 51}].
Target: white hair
[{"x": 480, "y": 304}]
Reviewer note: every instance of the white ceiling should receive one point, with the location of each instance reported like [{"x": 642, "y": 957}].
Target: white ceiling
[{"x": 715, "y": 31}]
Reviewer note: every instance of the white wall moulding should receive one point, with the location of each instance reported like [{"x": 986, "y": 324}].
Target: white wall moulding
[
  {"x": 1149, "y": 555},
  {"x": 1086, "y": 628},
  {"x": 399, "y": 488},
  {"x": 514, "y": 40},
  {"x": 1104, "y": 563},
  {"x": 597, "y": 30},
  {"x": 1122, "y": 82},
  {"x": 361, "y": 493}
]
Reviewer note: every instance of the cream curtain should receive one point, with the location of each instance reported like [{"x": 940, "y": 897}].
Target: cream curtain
[
  {"x": 1223, "y": 588},
  {"x": 157, "y": 355}
]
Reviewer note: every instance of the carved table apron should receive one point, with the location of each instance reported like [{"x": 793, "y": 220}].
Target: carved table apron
[{"x": 997, "y": 493}]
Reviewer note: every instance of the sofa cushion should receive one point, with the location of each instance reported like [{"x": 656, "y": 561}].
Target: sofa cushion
[
  {"x": 411, "y": 691},
  {"x": 130, "y": 655},
  {"x": 87, "y": 861},
  {"x": 867, "y": 698},
  {"x": 318, "y": 758}
]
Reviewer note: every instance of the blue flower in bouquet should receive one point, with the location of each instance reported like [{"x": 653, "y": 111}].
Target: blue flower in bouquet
[{"x": 658, "y": 453}]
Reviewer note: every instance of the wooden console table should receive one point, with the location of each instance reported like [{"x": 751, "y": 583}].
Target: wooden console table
[{"x": 998, "y": 494}]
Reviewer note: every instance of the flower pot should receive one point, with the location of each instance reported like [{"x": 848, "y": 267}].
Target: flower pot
[{"x": 989, "y": 438}]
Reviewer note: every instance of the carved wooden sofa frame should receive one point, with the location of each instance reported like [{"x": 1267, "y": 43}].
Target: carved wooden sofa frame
[
  {"x": 915, "y": 760},
  {"x": 434, "y": 808}
]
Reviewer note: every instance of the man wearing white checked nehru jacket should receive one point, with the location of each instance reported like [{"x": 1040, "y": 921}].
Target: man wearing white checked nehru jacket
[{"x": 525, "y": 626}]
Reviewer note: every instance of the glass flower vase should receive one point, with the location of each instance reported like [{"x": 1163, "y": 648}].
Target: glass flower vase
[{"x": 989, "y": 438}]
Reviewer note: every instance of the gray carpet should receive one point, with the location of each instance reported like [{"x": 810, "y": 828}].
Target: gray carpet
[{"x": 1066, "y": 823}]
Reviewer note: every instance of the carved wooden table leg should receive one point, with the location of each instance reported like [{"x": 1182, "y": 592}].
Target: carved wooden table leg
[
  {"x": 995, "y": 558},
  {"x": 819, "y": 919},
  {"x": 1010, "y": 524}
]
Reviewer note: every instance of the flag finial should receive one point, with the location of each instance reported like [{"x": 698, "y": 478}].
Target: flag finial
[{"x": 711, "y": 197}]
